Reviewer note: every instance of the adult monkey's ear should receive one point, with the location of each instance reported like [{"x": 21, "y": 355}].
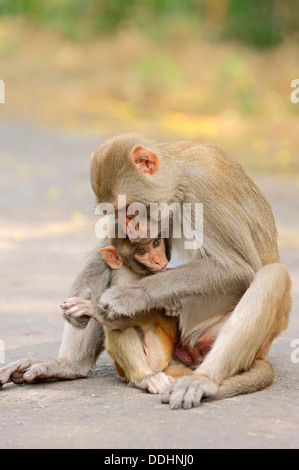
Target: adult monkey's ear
[
  {"x": 111, "y": 257},
  {"x": 144, "y": 160}
]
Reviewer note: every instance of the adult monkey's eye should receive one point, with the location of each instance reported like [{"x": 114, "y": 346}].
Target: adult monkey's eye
[
  {"x": 156, "y": 243},
  {"x": 141, "y": 252}
]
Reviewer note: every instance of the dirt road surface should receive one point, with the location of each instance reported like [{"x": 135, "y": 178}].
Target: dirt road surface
[{"x": 45, "y": 208}]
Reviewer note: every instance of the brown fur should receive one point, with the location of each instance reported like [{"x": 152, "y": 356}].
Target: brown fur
[{"x": 142, "y": 349}]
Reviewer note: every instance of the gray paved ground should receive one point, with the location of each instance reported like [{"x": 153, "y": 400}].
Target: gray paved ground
[{"x": 43, "y": 241}]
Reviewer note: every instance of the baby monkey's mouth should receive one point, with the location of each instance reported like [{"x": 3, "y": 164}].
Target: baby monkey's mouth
[{"x": 158, "y": 270}]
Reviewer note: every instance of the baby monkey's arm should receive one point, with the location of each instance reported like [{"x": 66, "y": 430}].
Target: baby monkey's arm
[{"x": 78, "y": 307}]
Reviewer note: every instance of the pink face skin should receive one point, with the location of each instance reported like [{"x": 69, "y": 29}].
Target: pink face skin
[{"x": 152, "y": 255}]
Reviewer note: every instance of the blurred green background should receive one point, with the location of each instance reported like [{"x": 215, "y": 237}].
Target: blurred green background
[{"x": 211, "y": 70}]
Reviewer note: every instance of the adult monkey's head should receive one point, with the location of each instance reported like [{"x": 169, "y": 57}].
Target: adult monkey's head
[{"x": 133, "y": 166}]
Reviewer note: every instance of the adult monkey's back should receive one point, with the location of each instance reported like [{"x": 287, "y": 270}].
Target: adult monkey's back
[{"x": 239, "y": 291}]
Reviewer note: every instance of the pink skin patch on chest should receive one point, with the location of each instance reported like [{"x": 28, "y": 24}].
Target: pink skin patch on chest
[{"x": 194, "y": 356}]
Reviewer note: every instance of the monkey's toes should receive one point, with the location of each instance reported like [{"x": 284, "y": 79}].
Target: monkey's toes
[
  {"x": 156, "y": 383},
  {"x": 165, "y": 395},
  {"x": 188, "y": 392},
  {"x": 8, "y": 373}
]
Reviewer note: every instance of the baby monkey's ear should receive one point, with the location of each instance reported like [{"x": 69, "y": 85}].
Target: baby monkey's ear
[
  {"x": 111, "y": 257},
  {"x": 144, "y": 160}
]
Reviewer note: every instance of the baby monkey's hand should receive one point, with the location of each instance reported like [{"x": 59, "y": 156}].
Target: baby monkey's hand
[
  {"x": 77, "y": 307},
  {"x": 77, "y": 321}
]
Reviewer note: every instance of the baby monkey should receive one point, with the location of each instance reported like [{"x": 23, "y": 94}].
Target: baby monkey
[{"x": 141, "y": 347}]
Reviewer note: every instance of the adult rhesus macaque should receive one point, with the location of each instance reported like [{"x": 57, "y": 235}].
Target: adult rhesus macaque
[{"x": 234, "y": 286}]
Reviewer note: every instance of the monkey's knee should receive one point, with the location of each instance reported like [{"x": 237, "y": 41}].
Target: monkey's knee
[{"x": 79, "y": 322}]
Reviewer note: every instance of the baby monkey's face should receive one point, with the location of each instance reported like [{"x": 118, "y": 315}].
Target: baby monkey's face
[
  {"x": 152, "y": 255},
  {"x": 141, "y": 258}
]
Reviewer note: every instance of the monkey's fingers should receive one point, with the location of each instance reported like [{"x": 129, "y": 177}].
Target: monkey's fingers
[
  {"x": 171, "y": 311},
  {"x": 35, "y": 373},
  {"x": 156, "y": 383},
  {"x": 67, "y": 303},
  {"x": 18, "y": 377},
  {"x": 165, "y": 395},
  {"x": 71, "y": 302},
  {"x": 174, "y": 308},
  {"x": 82, "y": 310},
  {"x": 78, "y": 311},
  {"x": 7, "y": 373},
  {"x": 189, "y": 390}
]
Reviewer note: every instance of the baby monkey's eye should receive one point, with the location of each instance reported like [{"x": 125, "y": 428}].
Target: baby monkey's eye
[
  {"x": 156, "y": 243},
  {"x": 141, "y": 252}
]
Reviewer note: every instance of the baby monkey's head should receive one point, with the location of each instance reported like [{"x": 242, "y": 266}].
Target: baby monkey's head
[{"x": 143, "y": 257}]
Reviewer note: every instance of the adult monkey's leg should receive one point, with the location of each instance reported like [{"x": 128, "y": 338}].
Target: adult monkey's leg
[
  {"x": 78, "y": 354},
  {"x": 259, "y": 317}
]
